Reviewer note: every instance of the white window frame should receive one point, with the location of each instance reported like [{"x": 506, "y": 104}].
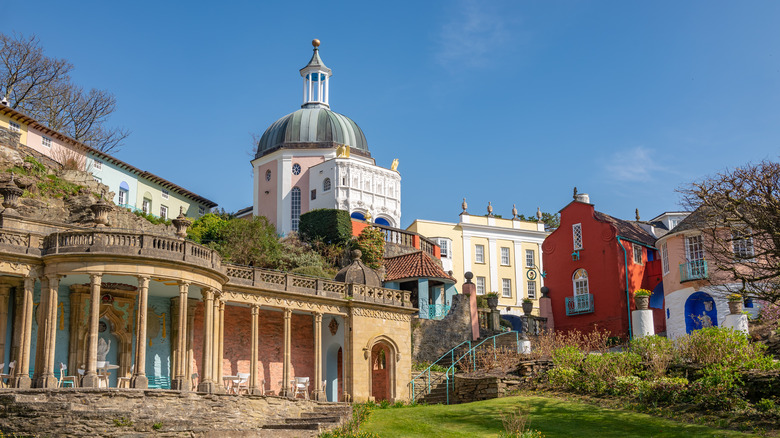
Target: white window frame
[
  {"x": 15, "y": 127},
  {"x": 165, "y": 193},
  {"x": 531, "y": 289},
  {"x": 580, "y": 284},
  {"x": 201, "y": 210},
  {"x": 480, "y": 281},
  {"x": 506, "y": 287},
  {"x": 164, "y": 212},
  {"x": 97, "y": 164},
  {"x": 296, "y": 169},
  {"x": 123, "y": 195},
  {"x": 694, "y": 248},
  {"x": 530, "y": 258},
  {"x": 446, "y": 247},
  {"x": 295, "y": 208},
  {"x": 637, "y": 251},
  {"x": 665, "y": 258},
  {"x": 46, "y": 142},
  {"x": 576, "y": 231},
  {"x": 479, "y": 253},
  {"x": 505, "y": 257},
  {"x": 326, "y": 185},
  {"x": 146, "y": 205},
  {"x": 742, "y": 246}
]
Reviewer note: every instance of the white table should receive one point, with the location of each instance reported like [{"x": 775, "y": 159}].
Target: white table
[{"x": 103, "y": 373}]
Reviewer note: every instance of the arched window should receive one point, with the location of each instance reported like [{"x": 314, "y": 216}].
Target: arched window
[
  {"x": 326, "y": 185},
  {"x": 580, "y": 282},
  {"x": 295, "y": 209}
]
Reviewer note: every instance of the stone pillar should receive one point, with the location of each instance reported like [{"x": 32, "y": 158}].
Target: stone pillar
[
  {"x": 181, "y": 380},
  {"x": 545, "y": 309},
  {"x": 221, "y": 337},
  {"x": 495, "y": 320},
  {"x": 139, "y": 379},
  {"x": 642, "y": 323},
  {"x": 22, "y": 370},
  {"x": 90, "y": 375},
  {"x": 47, "y": 334},
  {"x": 318, "y": 394},
  {"x": 191, "y": 306},
  {"x": 285, "y": 390},
  {"x": 737, "y": 322},
  {"x": 470, "y": 290},
  {"x": 206, "y": 383},
  {"x": 5, "y": 297},
  {"x": 254, "y": 345}
]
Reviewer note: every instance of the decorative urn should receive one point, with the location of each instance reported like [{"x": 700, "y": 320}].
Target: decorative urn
[
  {"x": 735, "y": 304},
  {"x": 11, "y": 193},
  {"x": 101, "y": 209},
  {"x": 528, "y": 307},
  {"x": 181, "y": 223}
]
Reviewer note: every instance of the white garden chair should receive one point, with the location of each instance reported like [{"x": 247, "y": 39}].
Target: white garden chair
[{"x": 301, "y": 386}]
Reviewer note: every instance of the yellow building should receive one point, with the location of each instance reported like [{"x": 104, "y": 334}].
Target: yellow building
[{"x": 503, "y": 254}]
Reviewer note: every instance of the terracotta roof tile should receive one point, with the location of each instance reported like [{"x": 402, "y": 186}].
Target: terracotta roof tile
[{"x": 414, "y": 265}]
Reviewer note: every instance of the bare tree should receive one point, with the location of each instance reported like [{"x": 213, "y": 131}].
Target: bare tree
[
  {"x": 738, "y": 212},
  {"x": 41, "y": 87}
]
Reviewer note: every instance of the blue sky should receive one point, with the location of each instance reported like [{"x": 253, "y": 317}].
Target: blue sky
[{"x": 513, "y": 102}]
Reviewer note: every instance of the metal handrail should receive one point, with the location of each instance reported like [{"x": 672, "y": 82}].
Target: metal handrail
[
  {"x": 451, "y": 353},
  {"x": 471, "y": 353}
]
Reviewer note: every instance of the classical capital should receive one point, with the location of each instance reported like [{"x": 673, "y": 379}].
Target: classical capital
[
  {"x": 95, "y": 278},
  {"x": 143, "y": 281}
]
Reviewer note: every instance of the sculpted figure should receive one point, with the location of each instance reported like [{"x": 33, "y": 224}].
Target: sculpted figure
[{"x": 102, "y": 350}]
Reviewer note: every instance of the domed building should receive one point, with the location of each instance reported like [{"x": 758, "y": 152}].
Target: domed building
[{"x": 316, "y": 158}]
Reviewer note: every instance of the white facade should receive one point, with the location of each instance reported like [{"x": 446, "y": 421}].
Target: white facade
[{"x": 675, "y": 307}]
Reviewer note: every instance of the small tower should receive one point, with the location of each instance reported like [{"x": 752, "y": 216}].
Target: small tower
[{"x": 316, "y": 80}]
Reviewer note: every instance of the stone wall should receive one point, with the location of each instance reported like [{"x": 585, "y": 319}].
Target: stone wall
[
  {"x": 92, "y": 412},
  {"x": 433, "y": 338},
  {"x": 473, "y": 388}
]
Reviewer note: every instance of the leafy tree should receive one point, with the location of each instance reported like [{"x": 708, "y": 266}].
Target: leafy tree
[
  {"x": 41, "y": 87},
  {"x": 371, "y": 242},
  {"x": 738, "y": 212},
  {"x": 551, "y": 221},
  {"x": 207, "y": 228},
  {"x": 249, "y": 242}
]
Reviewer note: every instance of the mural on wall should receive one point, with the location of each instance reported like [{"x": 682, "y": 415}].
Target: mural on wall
[
  {"x": 155, "y": 324},
  {"x": 700, "y": 312}
]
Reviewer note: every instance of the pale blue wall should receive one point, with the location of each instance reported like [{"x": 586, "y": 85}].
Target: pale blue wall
[
  {"x": 112, "y": 176},
  {"x": 330, "y": 348},
  {"x": 158, "y": 349}
]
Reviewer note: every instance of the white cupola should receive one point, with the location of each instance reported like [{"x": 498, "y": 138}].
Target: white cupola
[{"x": 315, "y": 81}]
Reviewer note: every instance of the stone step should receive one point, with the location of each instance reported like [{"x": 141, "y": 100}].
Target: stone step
[
  {"x": 312, "y": 420},
  {"x": 292, "y": 426}
]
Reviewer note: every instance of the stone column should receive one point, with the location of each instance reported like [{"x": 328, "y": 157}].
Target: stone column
[
  {"x": 22, "y": 370},
  {"x": 253, "y": 386},
  {"x": 47, "y": 334},
  {"x": 318, "y": 394},
  {"x": 90, "y": 375},
  {"x": 285, "y": 390},
  {"x": 180, "y": 380},
  {"x": 5, "y": 297},
  {"x": 191, "y": 306},
  {"x": 206, "y": 383},
  {"x": 139, "y": 379},
  {"x": 220, "y": 338}
]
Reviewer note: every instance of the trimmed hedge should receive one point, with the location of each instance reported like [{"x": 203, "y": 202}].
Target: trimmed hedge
[{"x": 329, "y": 225}]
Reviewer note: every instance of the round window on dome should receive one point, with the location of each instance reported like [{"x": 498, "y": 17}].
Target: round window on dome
[
  {"x": 268, "y": 175},
  {"x": 296, "y": 169}
]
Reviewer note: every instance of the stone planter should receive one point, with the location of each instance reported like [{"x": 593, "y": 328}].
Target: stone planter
[
  {"x": 735, "y": 307},
  {"x": 100, "y": 209},
  {"x": 492, "y": 302},
  {"x": 181, "y": 223},
  {"x": 642, "y": 302},
  {"x": 11, "y": 193},
  {"x": 528, "y": 307}
]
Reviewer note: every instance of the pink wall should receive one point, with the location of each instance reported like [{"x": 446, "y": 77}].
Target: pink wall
[
  {"x": 58, "y": 150},
  {"x": 238, "y": 336},
  {"x": 302, "y": 180},
  {"x": 266, "y": 203}
]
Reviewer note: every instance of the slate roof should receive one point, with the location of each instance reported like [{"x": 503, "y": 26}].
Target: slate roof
[
  {"x": 697, "y": 220},
  {"x": 415, "y": 265},
  {"x": 628, "y": 229}
]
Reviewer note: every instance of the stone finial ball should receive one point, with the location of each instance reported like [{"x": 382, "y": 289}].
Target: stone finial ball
[
  {"x": 468, "y": 275},
  {"x": 315, "y": 42},
  {"x": 356, "y": 254}
]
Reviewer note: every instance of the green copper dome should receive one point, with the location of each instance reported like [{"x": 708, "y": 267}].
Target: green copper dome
[{"x": 312, "y": 127}]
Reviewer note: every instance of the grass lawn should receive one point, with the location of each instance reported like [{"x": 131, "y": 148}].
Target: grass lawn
[{"x": 553, "y": 417}]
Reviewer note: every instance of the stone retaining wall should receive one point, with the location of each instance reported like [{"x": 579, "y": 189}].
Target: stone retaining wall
[
  {"x": 432, "y": 338},
  {"x": 469, "y": 389},
  {"x": 92, "y": 412}
]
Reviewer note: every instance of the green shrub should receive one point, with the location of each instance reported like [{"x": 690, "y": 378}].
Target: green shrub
[
  {"x": 371, "y": 242},
  {"x": 714, "y": 345},
  {"x": 626, "y": 385},
  {"x": 765, "y": 405},
  {"x": 564, "y": 378},
  {"x": 207, "y": 228},
  {"x": 719, "y": 388},
  {"x": 152, "y": 218},
  {"x": 664, "y": 391},
  {"x": 600, "y": 370},
  {"x": 568, "y": 357},
  {"x": 656, "y": 352},
  {"x": 328, "y": 225}
]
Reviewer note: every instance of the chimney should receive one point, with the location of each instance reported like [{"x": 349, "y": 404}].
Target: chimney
[{"x": 583, "y": 197}]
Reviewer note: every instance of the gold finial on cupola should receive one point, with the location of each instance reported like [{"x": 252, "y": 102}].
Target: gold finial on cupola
[{"x": 315, "y": 42}]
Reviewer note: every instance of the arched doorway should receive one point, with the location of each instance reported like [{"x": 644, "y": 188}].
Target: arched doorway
[
  {"x": 700, "y": 312},
  {"x": 380, "y": 375}
]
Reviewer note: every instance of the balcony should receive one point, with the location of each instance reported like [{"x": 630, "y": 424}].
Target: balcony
[
  {"x": 579, "y": 304},
  {"x": 434, "y": 311},
  {"x": 695, "y": 270}
]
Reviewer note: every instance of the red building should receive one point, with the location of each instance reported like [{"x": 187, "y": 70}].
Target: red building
[{"x": 594, "y": 263}]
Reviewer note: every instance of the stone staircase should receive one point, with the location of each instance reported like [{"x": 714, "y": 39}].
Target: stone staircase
[
  {"x": 130, "y": 413},
  {"x": 438, "y": 382}
]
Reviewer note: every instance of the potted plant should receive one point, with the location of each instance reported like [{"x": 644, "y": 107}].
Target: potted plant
[
  {"x": 642, "y": 299},
  {"x": 528, "y": 306},
  {"x": 492, "y": 300},
  {"x": 735, "y": 304}
]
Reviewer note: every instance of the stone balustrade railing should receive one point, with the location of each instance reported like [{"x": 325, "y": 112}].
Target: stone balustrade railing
[
  {"x": 286, "y": 282},
  {"x": 20, "y": 242},
  {"x": 128, "y": 243}
]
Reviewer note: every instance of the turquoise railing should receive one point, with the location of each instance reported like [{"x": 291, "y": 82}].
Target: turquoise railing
[
  {"x": 427, "y": 371},
  {"x": 434, "y": 311},
  {"x": 695, "y": 270},
  {"x": 470, "y": 353},
  {"x": 578, "y": 304}
]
